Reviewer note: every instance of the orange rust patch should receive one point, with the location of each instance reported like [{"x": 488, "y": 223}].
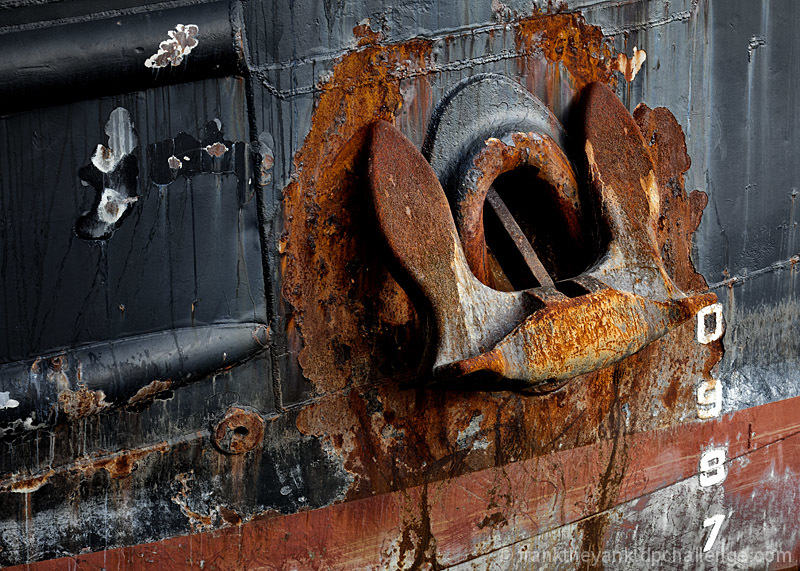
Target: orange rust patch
[
  {"x": 121, "y": 464},
  {"x": 554, "y": 169},
  {"x": 149, "y": 391},
  {"x": 239, "y": 431},
  {"x": 353, "y": 324},
  {"x": 81, "y": 403},
  {"x": 118, "y": 465},
  {"x": 680, "y": 212},
  {"x": 332, "y": 268},
  {"x": 567, "y": 39},
  {"x": 229, "y": 516},
  {"x": 629, "y": 67},
  {"x": 29, "y": 484},
  {"x": 366, "y": 35}
]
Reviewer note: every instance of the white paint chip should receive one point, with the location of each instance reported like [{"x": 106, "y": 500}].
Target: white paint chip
[
  {"x": 121, "y": 141},
  {"x": 629, "y": 67},
  {"x": 467, "y": 436},
  {"x": 182, "y": 40},
  {"x": 6, "y": 401},
  {"x": 113, "y": 205}
]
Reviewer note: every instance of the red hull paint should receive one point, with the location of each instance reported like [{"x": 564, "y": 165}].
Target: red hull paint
[{"x": 491, "y": 510}]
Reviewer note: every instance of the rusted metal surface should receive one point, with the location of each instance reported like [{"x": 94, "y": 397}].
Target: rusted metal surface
[
  {"x": 117, "y": 465},
  {"x": 81, "y": 403},
  {"x": 537, "y": 512},
  {"x": 473, "y": 143},
  {"x": 389, "y": 438},
  {"x": 570, "y": 337},
  {"x": 680, "y": 212},
  {"x": 327, "y": 226},
  {"x": 362, "y": 463},
  {"x": 627, "y": 195},
  {"x": 414, "y": 216},
  {"x": 480, "y": 329},
  {"x": 583, "y": 50},
  {"x": 334, "y": 302},
  {"x": 148, "y": 392},
  {"x": 239, "y": 431},
  {"x": 552, "y": 169}
]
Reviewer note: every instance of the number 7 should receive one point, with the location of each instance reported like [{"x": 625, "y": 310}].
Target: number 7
[{"x": 716, "y": 521}]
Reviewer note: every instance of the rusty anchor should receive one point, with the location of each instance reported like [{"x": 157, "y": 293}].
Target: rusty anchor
[{"x": 558, "y": 330}]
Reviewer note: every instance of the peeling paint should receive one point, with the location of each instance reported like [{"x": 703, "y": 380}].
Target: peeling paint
[
  {"x": 755, "y": 42},
  {"x": 182, "y": 485},
  {"x": 216, "y": 149},
  {"x": 629, "y": 67},
  {"x": 113, "y": 205},
  {"x": 117, "y": 465},
  {"x": 81, "y": 403},
  {"x": 6, "y": 401},
  {"x": 148, "y": 392},
  {"x": 365, "y": 34},
  {"x": 122, "y": 140},
  {"x": 713, "y": 314},
  {"x": 266, "y": 145},
  {"x": 182, "y": 40},
  {"x": 466, "y": 437},
  {"x": 113, "y": 173},
  {"x": 187, "y": 155}
]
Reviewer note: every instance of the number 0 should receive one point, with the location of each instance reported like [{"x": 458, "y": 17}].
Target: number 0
[{"x": 703, "y": 336}]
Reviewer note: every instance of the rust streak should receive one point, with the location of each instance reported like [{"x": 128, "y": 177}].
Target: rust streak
[
  {"x": 567, "y": 39},
  {"x": 118, "y": 465},
  {"x": 355, "y": 533}
]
